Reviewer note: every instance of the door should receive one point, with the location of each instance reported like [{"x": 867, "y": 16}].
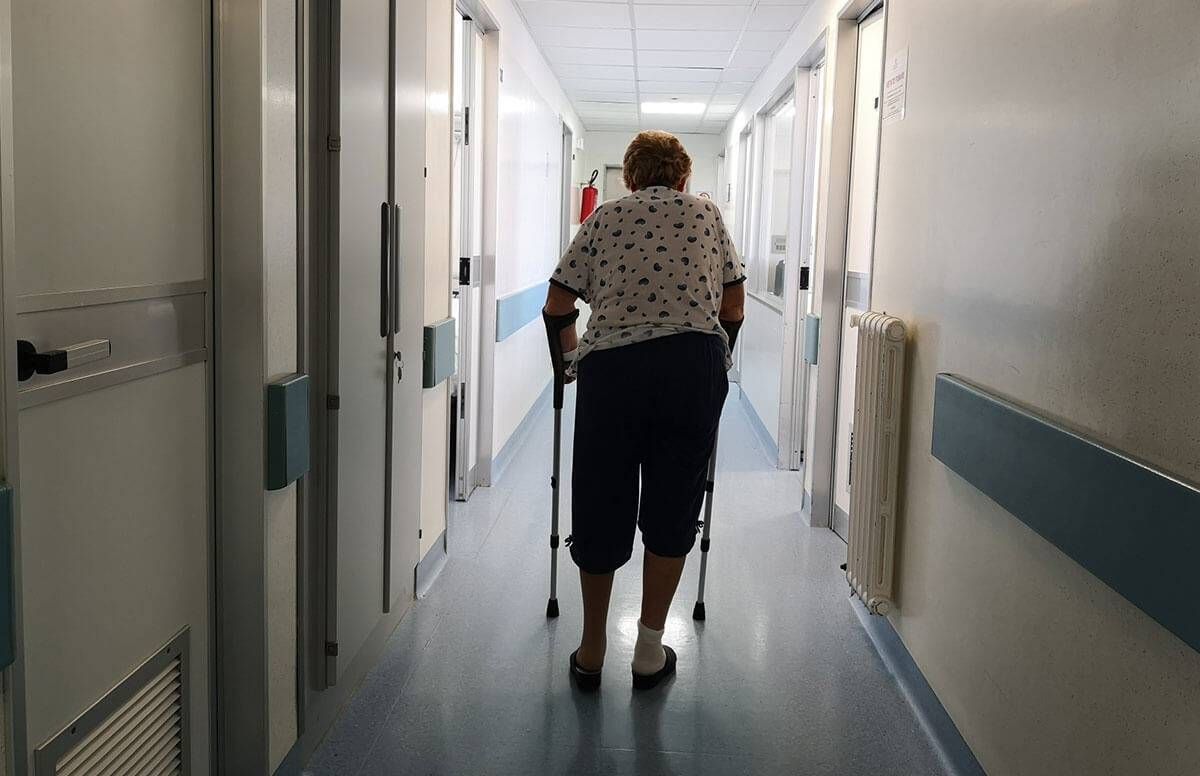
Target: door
[
  {"x": 468, "y": 207},
  {"x": 373, "y": 320},
  {"x": 614, "y": 183},
  {"x": 111, "y": 192},
  {"x": 799, "y": 387},
  {"x": 864, "y": 165},
  {"x": 360, "y": 325}
]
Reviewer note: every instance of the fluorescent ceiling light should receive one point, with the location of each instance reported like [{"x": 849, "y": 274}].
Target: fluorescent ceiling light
[{"x": 678, "y": 108}]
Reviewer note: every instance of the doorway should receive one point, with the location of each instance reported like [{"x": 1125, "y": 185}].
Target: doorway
[
  {"x": 466, "y": 231},
  {"x": 860, "y": 238}
]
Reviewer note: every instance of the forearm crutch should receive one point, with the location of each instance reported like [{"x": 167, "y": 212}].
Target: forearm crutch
[
  {"x": 731, "y": 329},
  {"x": 555, "y": 325}
]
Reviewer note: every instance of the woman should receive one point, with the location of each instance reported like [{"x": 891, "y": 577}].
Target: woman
[{"x": 665, "y": 288}]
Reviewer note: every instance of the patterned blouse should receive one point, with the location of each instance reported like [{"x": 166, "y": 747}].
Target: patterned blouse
[{"x": 650, "y": 264}]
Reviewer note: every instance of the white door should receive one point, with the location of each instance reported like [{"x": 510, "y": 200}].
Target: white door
[
  {"x": 468, "y": 206},
  {"x": 864, "y": 165},
  {"x": 374, "y": 330},
  {"x": 361, "y": 324},
  {"x": 112, "y": 254}
]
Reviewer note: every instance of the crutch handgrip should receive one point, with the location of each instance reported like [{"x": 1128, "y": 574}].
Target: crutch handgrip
[
  {"x": 731, "y": 330},
  {"x": 555, "y": 324}
]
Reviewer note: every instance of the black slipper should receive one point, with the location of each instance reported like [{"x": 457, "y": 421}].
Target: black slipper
[
  {"x": 650, "y": 681},
  {"x": 588, "y": 681}
]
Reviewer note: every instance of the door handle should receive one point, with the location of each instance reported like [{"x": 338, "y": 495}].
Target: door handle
[
  {"x": 397, "y": 266},
  {"x": 385, "y": 238},
  {"x": 31, "y": 362}
]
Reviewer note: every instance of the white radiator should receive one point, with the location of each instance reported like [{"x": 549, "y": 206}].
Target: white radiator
[{"x": 878, "y": 396}]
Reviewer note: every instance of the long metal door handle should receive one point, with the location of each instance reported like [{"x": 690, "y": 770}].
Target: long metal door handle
[
  {"x": 49, "y": 362},
  {"x": 385, "y": 236},
  {"x": 397, "y": 266}
]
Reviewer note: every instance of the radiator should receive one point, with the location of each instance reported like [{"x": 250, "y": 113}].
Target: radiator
[{"x": 878, "y": 394}]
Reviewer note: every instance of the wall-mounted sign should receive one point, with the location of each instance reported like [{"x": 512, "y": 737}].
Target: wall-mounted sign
[{"x": 895, "y": 87}]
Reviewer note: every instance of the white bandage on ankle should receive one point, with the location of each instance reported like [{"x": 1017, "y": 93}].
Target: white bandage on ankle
[{"x": 648, "y": 655}]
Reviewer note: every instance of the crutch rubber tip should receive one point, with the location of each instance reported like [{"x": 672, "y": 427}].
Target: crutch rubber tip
[
  {"x": 698, "y": 612},
  {"x": 552, "y": 608}
]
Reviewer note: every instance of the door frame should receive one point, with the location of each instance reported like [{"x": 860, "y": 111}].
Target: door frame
[
  {"x": 804, "y": 197},
  {"x": 16, "y": 750},
  {"x": 466, "y": 477},
  {"x": 834, "y": 251}
]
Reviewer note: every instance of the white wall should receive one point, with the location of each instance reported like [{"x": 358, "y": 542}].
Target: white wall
[
  {"x": 761, "y": 361},
  {"x": 1043, "y": 244},
  {"x": 816, "y": 36},
  {"x": 531, "y": 109},
  {"x": 608, "y": 149},
  {"x": 1036, "y": 228},
  {"x": 435, "y": 402}
]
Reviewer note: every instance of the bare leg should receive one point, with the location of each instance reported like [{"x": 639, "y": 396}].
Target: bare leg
[
  {"x": 660, "y": 578},
  {"x": 597, "y": 590}
]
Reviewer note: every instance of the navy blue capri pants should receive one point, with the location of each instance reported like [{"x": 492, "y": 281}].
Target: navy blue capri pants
[{"x": 646, "y": 420}]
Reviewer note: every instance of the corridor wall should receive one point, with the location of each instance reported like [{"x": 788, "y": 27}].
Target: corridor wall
[
  {"x": 607, "y": 148},
  {"x": 1042, "y": 245},
  {"x": 525, "y": 235}
]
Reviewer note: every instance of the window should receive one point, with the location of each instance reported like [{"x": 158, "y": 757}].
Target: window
[{"x": 766, "y": 261}]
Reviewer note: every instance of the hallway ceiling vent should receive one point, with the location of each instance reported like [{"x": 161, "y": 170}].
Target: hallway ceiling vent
[{"x": 138, "y": 727}]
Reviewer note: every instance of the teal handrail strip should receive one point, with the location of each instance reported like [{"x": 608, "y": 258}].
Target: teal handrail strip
[
  {"x": 517, "y": 310},
  {"x": 1134, "y": 527}
]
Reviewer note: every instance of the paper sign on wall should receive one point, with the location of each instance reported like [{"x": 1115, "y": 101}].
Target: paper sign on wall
[{"x": 895, "y": 87}]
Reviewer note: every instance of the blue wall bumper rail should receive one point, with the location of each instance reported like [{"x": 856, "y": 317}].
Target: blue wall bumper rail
[
  {"x": 1136, "y": 528},
  {"x": 287, "y": 431},
  {"x": 519, "y": 309}
]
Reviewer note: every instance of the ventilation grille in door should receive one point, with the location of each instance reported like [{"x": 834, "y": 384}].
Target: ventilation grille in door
[{"x": 138, "y": 729}]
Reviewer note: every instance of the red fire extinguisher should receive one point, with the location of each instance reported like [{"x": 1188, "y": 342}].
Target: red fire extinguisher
[{"x": 590, "y": 194}]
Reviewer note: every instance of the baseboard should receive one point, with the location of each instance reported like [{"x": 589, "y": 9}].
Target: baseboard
[
  {"x": 430, "y": 567},
  {"x": 505, "y": 457},
  {"x": 951, "y": 747},
  {"x": 770, "y": 447},
  {"x": 322, "y": 708},
  {"x": 292, "y": 763}
]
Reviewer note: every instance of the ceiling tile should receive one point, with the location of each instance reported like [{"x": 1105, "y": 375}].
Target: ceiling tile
[
  {"x": 691, "y": 74},
  {"x": 571, "y": 55},
  {"x": 759, "y": 40},
  {"x": 717, "y": 58},
  {"x": 593, "y": 71},
  {"x": 775, "y": 18},
  {"x": 605, "y": 108},
  {"x": 553, "y": 13},
  {"x": 743, "y": 75},
  {"x": 598, "y": 84},
  {"x": 581, "y": 37},
  {"x": 675, "y": 87},
  {"x": 590, "y": 96},
  {"x": 750, "y": 59},
  {"x": 692, "y": 17},
  {"x": 732, "y": 88},
  {"x": 686, "y": 40}
]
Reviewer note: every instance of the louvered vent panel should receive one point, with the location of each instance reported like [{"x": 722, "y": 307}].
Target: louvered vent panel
[
  {"x": 143, "y": 736},
  {"x": 137, "y": 729}
]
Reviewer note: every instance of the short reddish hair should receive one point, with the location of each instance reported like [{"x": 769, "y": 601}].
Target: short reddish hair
[{"x": 656, "y": 158}]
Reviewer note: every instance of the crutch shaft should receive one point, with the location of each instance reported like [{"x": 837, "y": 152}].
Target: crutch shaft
[{"x": 698, "y": 612}]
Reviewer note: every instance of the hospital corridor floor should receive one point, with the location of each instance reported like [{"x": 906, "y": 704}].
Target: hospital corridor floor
[{"x": 780, "y": 679}]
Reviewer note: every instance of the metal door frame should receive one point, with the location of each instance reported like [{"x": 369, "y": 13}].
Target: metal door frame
[
  {"x": 834, "y": 256},
  {"x": 470, "y": 261}
]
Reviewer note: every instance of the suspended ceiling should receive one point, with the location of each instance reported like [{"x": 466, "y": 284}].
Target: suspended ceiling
[{"x": 611, "y": 57}]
